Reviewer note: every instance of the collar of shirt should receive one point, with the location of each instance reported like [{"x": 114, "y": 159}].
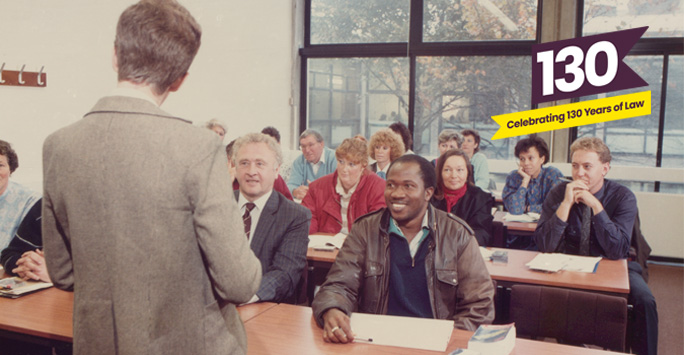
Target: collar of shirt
[
  {"x": 321, "y": 162},
  {"x": 599, "y": 194},
  {"x": 128, "y": 92},
  {"x": 384, "y": 170},
  {"x": 340, "y": 190},
  {"x": 256, "y": 212},
  {"x": 260, "y": 202},
  {"x": 416, "y": 241}
]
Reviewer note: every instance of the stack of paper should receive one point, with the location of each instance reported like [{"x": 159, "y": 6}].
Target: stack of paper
[
  {"x": 14, "y": 287},
  {"x": 554, "y": 262},
  {"x": 528, "y": 217},
  {"x": 326, "y": 242},
  {"x": 405, "y": 332},
  {"x": 493, "y": 339}
]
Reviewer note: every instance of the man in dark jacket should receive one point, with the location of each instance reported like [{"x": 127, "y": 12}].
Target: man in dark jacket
[
  {"x": 595, "y": 216},
  {"x": 408, "y": 259}
]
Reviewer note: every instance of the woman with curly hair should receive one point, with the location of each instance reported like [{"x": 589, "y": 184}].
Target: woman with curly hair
[{"x": 385, "y": 146}]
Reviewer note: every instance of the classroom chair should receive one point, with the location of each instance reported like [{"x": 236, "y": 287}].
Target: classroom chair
[{"x": 570, "y": 316}]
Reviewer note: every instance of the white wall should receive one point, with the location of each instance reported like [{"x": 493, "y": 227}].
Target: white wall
[{"x": 242, "y": 74}]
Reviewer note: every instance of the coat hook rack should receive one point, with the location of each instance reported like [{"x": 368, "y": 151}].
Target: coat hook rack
[{"x": 22, "y": 77}]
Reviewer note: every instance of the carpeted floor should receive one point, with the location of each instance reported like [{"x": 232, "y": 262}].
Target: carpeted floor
[{"x": 667, "y": 284}]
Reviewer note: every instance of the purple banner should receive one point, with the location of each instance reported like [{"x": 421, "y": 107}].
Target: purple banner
[{"x": 584, "y": 66}]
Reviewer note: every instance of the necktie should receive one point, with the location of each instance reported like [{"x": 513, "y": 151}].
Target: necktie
[
  {"x": 586, "y": 230},
  {"x": 247, "y": 218}
]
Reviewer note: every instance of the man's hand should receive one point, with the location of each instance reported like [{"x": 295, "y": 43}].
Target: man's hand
[
  {"x": 587, "y": 198},
  {"x": 31, "y": 265},
  {"x": 300, "y": 192},
  {"x": 571, "y": 189},
  {"x": 336, "y": 327}
]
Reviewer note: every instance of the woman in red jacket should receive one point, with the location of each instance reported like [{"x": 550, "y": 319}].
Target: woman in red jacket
[{"x": 338, "y": 199}]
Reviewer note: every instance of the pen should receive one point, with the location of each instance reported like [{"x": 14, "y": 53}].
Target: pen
[
  {"x": 565, "y": 179},
  {"x": 364, "y": 340}
]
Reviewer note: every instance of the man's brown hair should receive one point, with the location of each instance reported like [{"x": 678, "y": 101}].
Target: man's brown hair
[
  {"x": 156, "y": 41},
  {"x": 592, "y": 144}
]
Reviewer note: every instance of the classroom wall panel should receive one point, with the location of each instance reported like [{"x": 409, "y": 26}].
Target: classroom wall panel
[{"x": 242, "y": 74}]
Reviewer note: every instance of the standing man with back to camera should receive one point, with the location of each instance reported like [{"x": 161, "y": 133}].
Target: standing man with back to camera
[{"x": 138, "y": 219}]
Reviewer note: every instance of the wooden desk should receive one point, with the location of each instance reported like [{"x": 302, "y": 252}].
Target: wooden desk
[
  {"x": 288, "y": 329},
  {"x": 45, "y": 314},
  {"x": 520, "y": 228},
  {"x": 250, "y": 311},
  {"x": 610, "y": 276},
  {"x": 318, "y": 258}
]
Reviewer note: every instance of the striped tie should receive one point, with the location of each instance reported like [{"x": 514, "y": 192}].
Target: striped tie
[{"x": 247, "y": 218}]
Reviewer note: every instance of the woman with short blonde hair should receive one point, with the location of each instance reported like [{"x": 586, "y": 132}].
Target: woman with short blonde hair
[{"x": 336, "y": 200}]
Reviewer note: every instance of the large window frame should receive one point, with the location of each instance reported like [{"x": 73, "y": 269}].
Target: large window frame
[
  {"x": 558, "y": 24},
  {"x": 414, "y": 48},
  {"x": 646, "y": 46}
]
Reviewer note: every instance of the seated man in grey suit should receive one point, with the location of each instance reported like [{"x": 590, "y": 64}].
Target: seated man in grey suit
[{"x": 277, "y": 228}]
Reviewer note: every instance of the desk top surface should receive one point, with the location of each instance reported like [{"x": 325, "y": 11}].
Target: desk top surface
[
  {"x": 46, "y": 313},
  {"x": 610, "y": 276},
  {"x": 288, "y": 329}
]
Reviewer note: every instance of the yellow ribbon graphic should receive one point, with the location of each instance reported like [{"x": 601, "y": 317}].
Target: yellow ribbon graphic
[{"x": 573, "y": 115}]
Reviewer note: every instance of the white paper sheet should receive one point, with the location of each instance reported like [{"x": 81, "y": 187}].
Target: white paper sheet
[
  {"x": 554, "y": 262},
  {"x": 528, "y": 217},
  {"x": 405, "y": 332},
  {"x": 323, "y": 240}
]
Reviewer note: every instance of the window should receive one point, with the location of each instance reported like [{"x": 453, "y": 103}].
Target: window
[
  {"x": 432, "y": 64},
  {"x": 656, "y": 140}
]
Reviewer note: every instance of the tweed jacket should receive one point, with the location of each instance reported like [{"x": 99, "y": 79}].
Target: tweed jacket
[
  {"x": 139, "y": 222},
  {"x": 280, "y": 241},
  {"x": 458, "y": 282}
]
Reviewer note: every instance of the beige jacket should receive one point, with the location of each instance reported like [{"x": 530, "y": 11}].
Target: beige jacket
[{"x": 140, "y": 221}]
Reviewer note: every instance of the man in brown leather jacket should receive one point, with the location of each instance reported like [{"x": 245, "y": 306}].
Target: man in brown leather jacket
[{"x": 408, "y": 259}]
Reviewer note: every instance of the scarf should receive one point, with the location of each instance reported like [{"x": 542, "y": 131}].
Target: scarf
[{"x": 452, "y": 196}]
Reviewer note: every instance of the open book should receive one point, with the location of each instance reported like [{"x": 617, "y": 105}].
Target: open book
[
  {"x": 13, "y": 287},
  {"x": 326, "y": 242}
]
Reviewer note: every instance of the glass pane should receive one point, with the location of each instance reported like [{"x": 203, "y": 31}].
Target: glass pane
[
  {"x": 664, "y": 17},
  {"x": 632, "y": 141},
  {"x": 359, "y": 21},
  {"x": 673, "y": 140},
  {"x": 483, "y": 20},
  {"x": 362, "y": 95},
  {"x": 464, "y": 92}
]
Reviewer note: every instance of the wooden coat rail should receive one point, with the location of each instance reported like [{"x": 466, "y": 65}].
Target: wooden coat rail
[{"x": 22, "y": 78}]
